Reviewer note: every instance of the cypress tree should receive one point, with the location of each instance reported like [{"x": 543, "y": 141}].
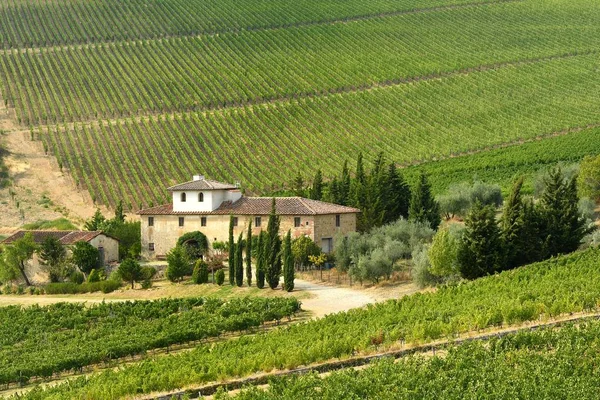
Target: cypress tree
[
  {"x": 288, "y": 263},
  {"x": 423, "y": 207},
  {"x": 272, "y": 249},
  {"x": 344, "y": 185},
  {"x": 316, "y": 191},
  {"x": 396, "y": 195},
  {"x": 239, "y": 261},
  {"x": 480, "y": 249},
  {"x": 119, "y": 215},
  {"x": 298, "y": 186},
  {"x": 249, "y": 254},
  {"x": 333, "y": 194},
  {"x": 358, "y": 187},
  {"x": 260, "y": 261},
  {"x": 231, "y": 253},
  {"x": 563, "y": 227}
]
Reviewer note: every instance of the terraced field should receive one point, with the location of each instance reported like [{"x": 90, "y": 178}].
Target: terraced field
[{"x": 259, "y": 92}]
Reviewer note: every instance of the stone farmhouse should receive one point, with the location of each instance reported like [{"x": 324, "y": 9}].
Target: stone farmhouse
[
  {"x": 107, "y": 246},
  {"x": 206, "y": 206}
]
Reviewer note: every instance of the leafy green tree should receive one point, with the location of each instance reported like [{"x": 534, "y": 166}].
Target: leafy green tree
[
  {"x": 261, "y": 260},
  {"x": 423, "y": 207},
  {"x": 94, "y": 276},
  {"x": 195, "y": 244},
  {"x": 480, "y": 250},
  {"x": 53, "y": 256},
  {"x": 396, "y": 195},
  {"x": 178, "y": 264},
  {"x": 14, "y": 257},
  {"x": 220, "y": 277},
  {"x": 302, "y": 247},
  {"x": 273, "y": 249},
  {"x": 249, "y": 254},
  {"x": 288, "y": 263},
  {"x": 85, "y": 256},
  {"x": 231, "y": 260},
  {"x": 563, "y": 226},
  {"x": 588, "y": 180},
  {"x": 130, "y": 271},
  {"x": 129, "y": 235},
  {"x": 239, "y": 261},
  {"x": 298, "y": 186},
  {"x": 443, "y": 254},
  {"x": 96, "y": 223},
  {"x": 341, "y": 251},
  {"x": 316, "y": 191},
  {"x": 119, "y": 215},
  {"x": 200, "y": 274}
]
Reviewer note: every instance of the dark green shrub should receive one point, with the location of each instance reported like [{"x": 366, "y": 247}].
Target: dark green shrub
[
  {"x": 94, "y": 276},
  {"x": 76, "y": 277},
  {"x": 220, "y": 277}
]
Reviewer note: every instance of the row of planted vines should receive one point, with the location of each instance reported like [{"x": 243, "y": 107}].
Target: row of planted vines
[
  {"x": 26, "y": 23},
  {"x": 42, "y": 341},
  {"x": 252, "y": 144},
  {"x": 539, "y": 291},
  {"x": 122, "y": 79}
]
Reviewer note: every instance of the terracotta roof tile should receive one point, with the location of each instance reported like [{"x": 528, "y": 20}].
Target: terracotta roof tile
[
  {"x": 261, "y": 206},
  {"x": 202, "y": 184},
  {"x": 65, "y": 237}
]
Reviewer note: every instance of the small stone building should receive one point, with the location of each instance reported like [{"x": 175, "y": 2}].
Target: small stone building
[{"x": 206, "y": 206}]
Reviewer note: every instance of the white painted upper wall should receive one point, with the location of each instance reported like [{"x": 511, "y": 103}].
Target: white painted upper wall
[{"x": 211, "y": 201}]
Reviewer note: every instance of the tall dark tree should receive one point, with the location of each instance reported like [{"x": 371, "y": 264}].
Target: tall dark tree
[
  {"x": 563, "y": 227},
  {"x": 344, "y": 185},
  {"x": 298, "y": 186},
  {"x": 239, "y": 260},
  {"x": 53, "y": 256},
  {"x": 273, "y": 248},
  {"x": 480, "y": 249},
  {"x": 249, "y": 254},
  {"x": 288, "y": 263},
  {"x": 359, "y": 185},
  {"x": 520, "y": 230},
  {"x": 119, "y": 215},
  {"x": 423, "y": 207},
  {"x": 231, "y": 260},
  {"x": 396, "y": 195},
  {"x": 260, "y": 260},
  {"x": 333, "y": 192},
  {"x": 316, "y": 191},
  {"x": 373, "y": 211}
]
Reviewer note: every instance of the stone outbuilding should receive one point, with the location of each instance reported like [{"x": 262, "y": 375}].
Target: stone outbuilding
[
  {"x": 206, "y": 206},
  {"x": 107, "y": 246}
]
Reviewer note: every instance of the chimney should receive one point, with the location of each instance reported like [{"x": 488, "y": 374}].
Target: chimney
[{"x": 198, "y": 177}]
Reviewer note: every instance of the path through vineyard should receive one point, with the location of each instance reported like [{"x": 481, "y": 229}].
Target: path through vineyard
[{"x": 34, "y": 176}]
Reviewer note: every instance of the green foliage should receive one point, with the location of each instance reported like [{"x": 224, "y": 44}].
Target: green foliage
[
  {"x": 53, "y": 256},
  {"x": 59, "y": 224},
  {"x": 85, "y": 256},
  {"x": 64, "y": 337},
  {"x": 588, "y": 180},
  {"x": 200, "y": 274},
  {"x": 195, "y": 244},
  {"x": 79, "y": 288},
  {"x": 421, "y": 268},
  {"x": 231, "y": 249},
  {"x": 178, "y": 264},
  {"x": 96, "y": 223},
  {"x": 316, "y": 190},
  {"x": 261, "y": 259},
  {"x": 272, "y": 249},
  {"x": 220, "y": 277},
  {"x": 131, "y": 271},
  {"x": 423, "y": 207},
  {"x": 249, "y": 245},
  {"x": 14, "y": 257},
  {"x": 147, "y": 274},
  {"x": 551, "y": 288},
  {"x": 302, "y": 247},
  {"x": 129, "y": 235},
  {"x": 77, "y": 277},
  {"x": 239, "y": 261},
  {"x": 461, "y": 197},
  {"x": 288, "y": 263},
  {"x": 480, "y": 249},
  {"x": 94, "y": 276},
  {"x": 443, "y": 253}
]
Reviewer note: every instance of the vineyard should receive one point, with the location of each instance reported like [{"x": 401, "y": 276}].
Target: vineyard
[
  {"x": 504, "y": 165},
  {"x": 254, "y": 91},
  {"x": 42, "y": 341},
  {"x": 539, "y": 291},
  {"x": 531, "y": 365}
]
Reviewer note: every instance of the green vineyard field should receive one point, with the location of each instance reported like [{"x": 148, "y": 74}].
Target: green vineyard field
[
  {"x": 419, "y": 121},
  {"x": 536, "y": 292}
]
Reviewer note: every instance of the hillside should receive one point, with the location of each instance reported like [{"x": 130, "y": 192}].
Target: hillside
[{"x": 261, "y": 92}]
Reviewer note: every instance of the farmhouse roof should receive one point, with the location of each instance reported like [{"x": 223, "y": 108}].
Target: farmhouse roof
[
  {"x": 261, "y": 206},
  {"x": 65, "y": 237},
  {"x": 200, "y": 183}
]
